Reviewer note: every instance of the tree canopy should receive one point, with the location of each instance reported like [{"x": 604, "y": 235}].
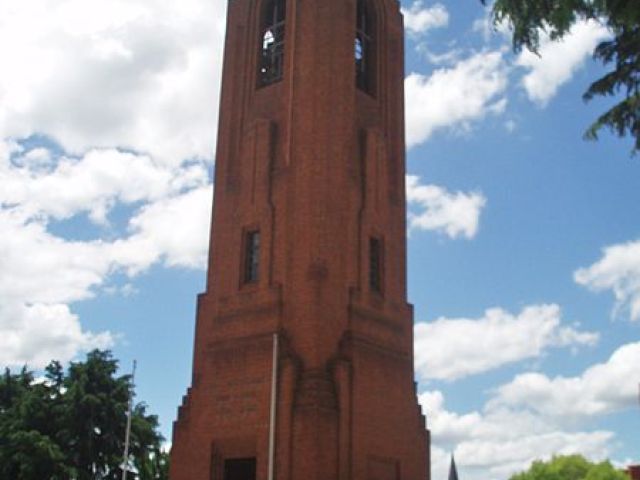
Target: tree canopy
[
  {"x": 620, "y": 54},
  {"x": 71, "y": 425},
  {"x": 571, "y": 467}
]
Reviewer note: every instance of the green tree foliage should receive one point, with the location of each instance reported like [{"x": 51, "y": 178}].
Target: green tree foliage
[
  {"x": 620, "y": 54},
  {"x": 571, "y": 467},
  {"x": 71, "y": 425}
]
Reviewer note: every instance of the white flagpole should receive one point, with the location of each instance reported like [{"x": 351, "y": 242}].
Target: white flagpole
[
  {"x": 274, "y": 401},
  {"x": 125, "y": 460}
]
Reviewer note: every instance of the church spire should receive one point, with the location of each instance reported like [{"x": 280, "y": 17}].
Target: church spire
[{"x": 453, "y": 471}]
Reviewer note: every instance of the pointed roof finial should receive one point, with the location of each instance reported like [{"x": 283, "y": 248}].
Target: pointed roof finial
[{"x": 453, "y": 471}]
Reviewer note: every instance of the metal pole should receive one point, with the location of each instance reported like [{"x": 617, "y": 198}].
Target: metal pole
[
  {"x": 274, "y": 401},
  {"x": 125, "y": 460}
]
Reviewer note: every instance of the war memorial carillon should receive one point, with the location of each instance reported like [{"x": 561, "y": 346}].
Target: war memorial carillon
[{"x": 303, "y": 356}]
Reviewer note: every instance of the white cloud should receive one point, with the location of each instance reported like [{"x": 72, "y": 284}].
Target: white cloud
[
  {"x": 535, "y": 417},
  {"x": 419, "y": 19},
  {"x": 440, "y": 461},
  {"x": 39, "y": 333},
  {"x": 456, "y": 96},
  {"x": 91, "y": 74},
  {"x": 493, "y": 444},
  {"x": 454, "y": 214},
  {"x": 448, "y": 427},
  {"x": 91, "y": 183},
  {"x": 619, "y": 271},
  {"x": 559, "y": 60},
  {"x": 600, "y": 389},
  {"x": 449, "y": 349},
  {"x": 504, "y": 457},
  {"x": 39, "y": 274},
  {"x": 487, "y": 28},
  {"x": 173, "y": 230},
  {"x": 42, "y": 274},
  {"x": 448, "y": 57},
  {"x": 38, "y": 267}
]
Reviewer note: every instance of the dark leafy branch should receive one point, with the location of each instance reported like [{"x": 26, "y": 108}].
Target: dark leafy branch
[{"x": 620, "y": 54}]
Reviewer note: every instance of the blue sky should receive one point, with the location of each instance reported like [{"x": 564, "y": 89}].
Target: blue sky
[{"x": 524, "y": 245}]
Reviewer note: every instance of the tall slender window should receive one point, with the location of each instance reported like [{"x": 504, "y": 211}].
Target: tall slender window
[
  {"x": 251, "y": 256},
  {"x": 364, "y": 49},
  {"x": 375, "y": 264},
  {"x": 271, "y": 42}
]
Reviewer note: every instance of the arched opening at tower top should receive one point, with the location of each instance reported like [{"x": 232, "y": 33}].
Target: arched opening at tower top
[
  {"x": 272, "y": 30},
  {"x": 364, "y": 48}
]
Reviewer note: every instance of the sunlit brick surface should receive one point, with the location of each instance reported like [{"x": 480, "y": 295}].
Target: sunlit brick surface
[{"x": 317, "y": 167}]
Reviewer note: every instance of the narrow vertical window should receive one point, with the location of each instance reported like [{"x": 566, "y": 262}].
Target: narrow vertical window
[
  {"x": 375, "y": 264},
  {"x": 364, "y": 48},
  {"x": 271, "y": 42},
  {"x": 251, "y": 256}
]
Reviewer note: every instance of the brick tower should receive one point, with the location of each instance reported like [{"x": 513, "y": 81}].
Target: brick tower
[{"x": 307, "y": 267}]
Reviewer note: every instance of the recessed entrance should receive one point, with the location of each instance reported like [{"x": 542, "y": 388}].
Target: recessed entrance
[{"x": 240, "y": 469}]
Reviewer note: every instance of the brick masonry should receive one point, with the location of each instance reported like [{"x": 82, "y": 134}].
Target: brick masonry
[{"x": 318, "y": 167}]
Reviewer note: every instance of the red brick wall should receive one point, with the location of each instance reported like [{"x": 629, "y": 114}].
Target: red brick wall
[
  {"x": 634, "y": 472},
  {"x": 318, "y": 167}
]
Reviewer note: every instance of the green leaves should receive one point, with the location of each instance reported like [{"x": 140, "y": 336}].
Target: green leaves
[
  {"x": 72, "y": 425},
  {"x": 571, "y": 467},
  {"x": 621, "y": 55},
  {"x": 30, "y": 455}
]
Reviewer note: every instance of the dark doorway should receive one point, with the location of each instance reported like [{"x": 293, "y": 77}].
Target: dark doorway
[{"x": 240, "y": 469}]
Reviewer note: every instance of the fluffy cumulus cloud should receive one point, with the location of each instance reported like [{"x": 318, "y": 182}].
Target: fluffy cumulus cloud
[
  {"x": 107, "y": 120},
  {"x": 601, "y": 389},
  {"x": 455, "y": 214},
  {"x": 36, "y": 333},
  {"x": 92, "y": 183},
  {"x": 453, "y": 348},
  {"x": 419, "y": 19},
  {"x": 492, "y": 443},
  {"x": 619, "y": 271},
  {"x": 39, "y": 275},
  {"x": 558, "y": 61},
  {"x": 455, "y": 96},
  {"x": 173, "y": 230},
  {"x": 464, "y": 90},
  {"x": 533, "y": 417},
  {"x": 42, "y": 273},
  {"x": 96, "y": 74},
  {"x": 515, "y": 453},
  {"x": 488, "y": 29}
]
